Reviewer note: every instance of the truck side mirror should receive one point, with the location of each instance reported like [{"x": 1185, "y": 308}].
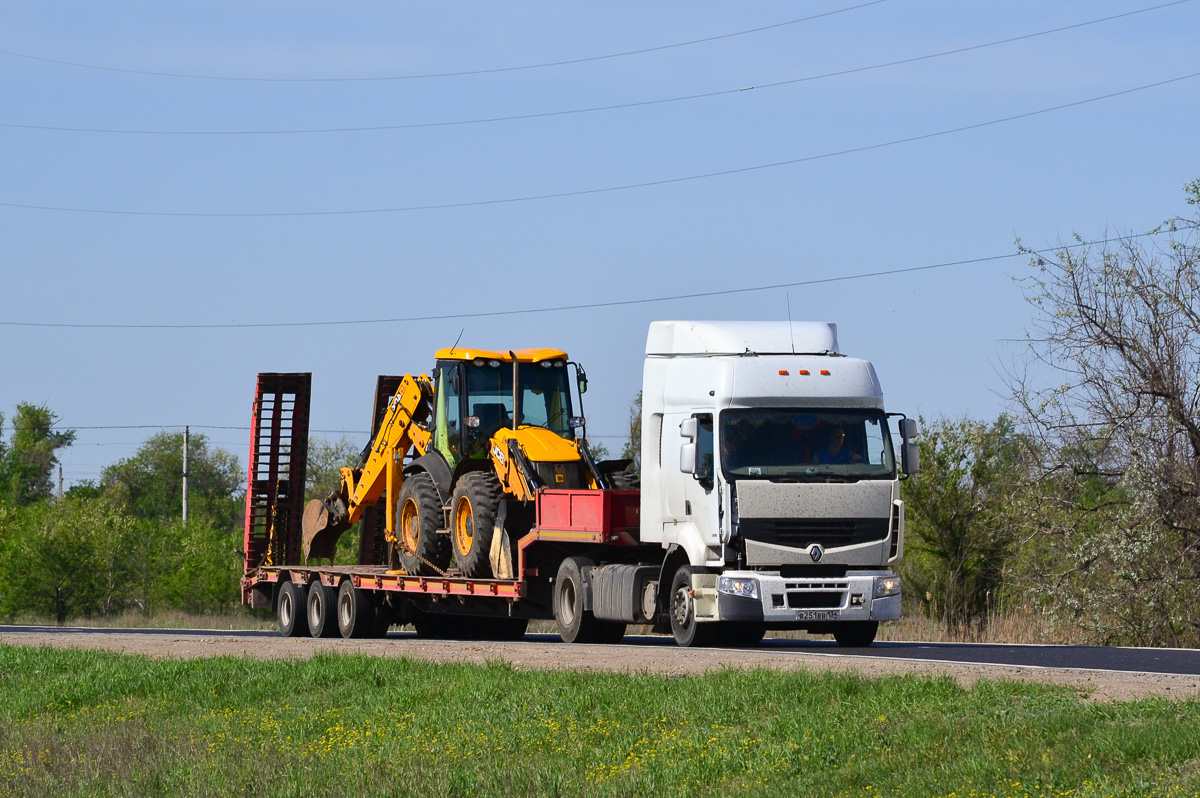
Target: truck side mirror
[
  {"x": 581, "y": 381},
  {"x": 910, "y": 453},
  {"x": 689, "y": 428}
]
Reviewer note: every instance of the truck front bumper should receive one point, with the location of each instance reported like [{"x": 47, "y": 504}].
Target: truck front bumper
[{"x": 797, "y": 602}]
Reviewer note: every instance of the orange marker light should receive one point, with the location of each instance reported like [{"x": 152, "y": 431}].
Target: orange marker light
[
  {"x": 824, "y": 373},
  {"x": 783, "y": 372},
  {"x": 803, "y": 372}
]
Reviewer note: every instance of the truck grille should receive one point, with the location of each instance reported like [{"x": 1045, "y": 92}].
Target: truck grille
[{"x": 804, "y": 532}]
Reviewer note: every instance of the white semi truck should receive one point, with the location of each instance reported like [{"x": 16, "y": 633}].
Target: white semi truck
[
  {"x": 768, "y": 476},
  {"x": 770, "y": 499}
]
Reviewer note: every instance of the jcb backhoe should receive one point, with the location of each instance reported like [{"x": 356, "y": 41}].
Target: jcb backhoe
[{"x": 485, "y": 433}]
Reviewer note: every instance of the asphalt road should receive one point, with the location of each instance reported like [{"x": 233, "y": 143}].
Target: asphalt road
[{"x": 1103, "y": 658}]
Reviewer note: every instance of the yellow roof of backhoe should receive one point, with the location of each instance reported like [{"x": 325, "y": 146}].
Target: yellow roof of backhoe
[{"x": 523, "y": 355}]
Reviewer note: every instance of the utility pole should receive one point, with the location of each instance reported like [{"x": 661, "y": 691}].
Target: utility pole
[
  {"x": 60, "y": 492},
  {"x": 185, "y": 474}
]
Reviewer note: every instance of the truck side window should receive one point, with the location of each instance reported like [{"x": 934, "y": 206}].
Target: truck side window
[{"x": 704, "y": 450}]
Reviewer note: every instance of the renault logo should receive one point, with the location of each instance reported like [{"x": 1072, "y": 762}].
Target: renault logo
[{"x": 815, "y": 552}]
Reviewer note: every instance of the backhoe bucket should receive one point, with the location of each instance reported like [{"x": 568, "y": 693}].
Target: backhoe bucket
[{"x": 320, "y": 531}]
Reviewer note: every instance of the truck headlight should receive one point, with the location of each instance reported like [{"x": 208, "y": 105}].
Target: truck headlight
[
  {"x": 887, "y": 586},
  {"x": 738, "y": 586}
]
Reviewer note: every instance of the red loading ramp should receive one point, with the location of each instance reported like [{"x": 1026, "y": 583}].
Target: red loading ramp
[{"x": 278, "y": 462}]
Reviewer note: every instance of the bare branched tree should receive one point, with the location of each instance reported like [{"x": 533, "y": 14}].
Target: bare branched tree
[{"x": 1119, "y": 324}]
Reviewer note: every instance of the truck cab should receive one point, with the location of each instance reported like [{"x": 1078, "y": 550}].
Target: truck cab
[{"x": 769, "y": 471}]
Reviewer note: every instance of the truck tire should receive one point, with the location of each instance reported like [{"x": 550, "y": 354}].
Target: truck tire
[
  {"x": 575, "y": 624},
  {"x": 291, "y": 608},
  {"x": 473, "y": 521},
  {"x": 322, "y": 610},
  {"x": 855, "y": 634},
  {"x": 354, "y": 611},
  {"x": 418, "y": 516},
  {"x": 681, "y": 608}
]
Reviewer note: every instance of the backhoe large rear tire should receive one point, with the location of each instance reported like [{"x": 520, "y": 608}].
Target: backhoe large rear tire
[
  {"x": 473, "y": 522},
  {"x": 418, "y": 516}
]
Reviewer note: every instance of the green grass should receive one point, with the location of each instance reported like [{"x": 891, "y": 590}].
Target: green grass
[{"x": 95, "y": 723}]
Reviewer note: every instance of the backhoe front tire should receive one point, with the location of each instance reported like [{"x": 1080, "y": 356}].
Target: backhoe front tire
[
  {"x": 418, "y": 516},
  {"x": 473, "y": 522}
]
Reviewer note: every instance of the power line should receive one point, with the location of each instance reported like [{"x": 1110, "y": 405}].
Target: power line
[
  {"x": 591, "y": 109},
  {"x": 462, "y": 73},
  {"x": 602, "y": 190},
  {"x": 558, "y": 308}
]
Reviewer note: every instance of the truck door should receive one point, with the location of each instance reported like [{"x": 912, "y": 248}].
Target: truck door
[{"x": 699, "y": 496}]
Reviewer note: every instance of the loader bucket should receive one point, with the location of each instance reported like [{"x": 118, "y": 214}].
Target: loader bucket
[{"x": 320, "y": 531}]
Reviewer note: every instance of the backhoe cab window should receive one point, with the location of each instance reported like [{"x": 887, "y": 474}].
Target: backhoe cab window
[
  {"x": 806, "y": 444},
  {"x": 545, "y": 398}
]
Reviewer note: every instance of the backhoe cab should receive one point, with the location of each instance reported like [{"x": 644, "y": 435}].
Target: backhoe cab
[{"x": 485, "y": 434}]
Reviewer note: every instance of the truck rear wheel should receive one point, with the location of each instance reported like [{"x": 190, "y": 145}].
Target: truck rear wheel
[
  {"x": 576, "y": 624},
  {"x": 354, "y": 611},
  {"x": 682, "y": 609},
  {"x": 322, "y": 613},
  {"x": 418, "y": 516},
  {"x": 855, "y": 634},
  {"x": 291, "y": 609},
  {"x": 473, "y": 521}
]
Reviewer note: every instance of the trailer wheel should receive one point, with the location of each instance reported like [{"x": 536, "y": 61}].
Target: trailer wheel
[
  {"x": 473, "y": 521},
  {"x": 419, "y": 514},
  {"x": 855, "y": 634},
  {"x": 575, "y": 624},
  {"x": 322, "y": 613},
  {"x": 291, "y": 609},
  {"x": 682, "y": 610},
  {"x": 354, "y": 611}
]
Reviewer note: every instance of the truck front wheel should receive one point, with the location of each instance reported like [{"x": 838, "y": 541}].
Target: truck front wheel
[
  {"x": 855, "y": 634},
  {"x": 682, "y": 609}
]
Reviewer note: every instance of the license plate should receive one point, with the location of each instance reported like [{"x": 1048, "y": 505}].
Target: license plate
[{"x": 818, "y": 615}]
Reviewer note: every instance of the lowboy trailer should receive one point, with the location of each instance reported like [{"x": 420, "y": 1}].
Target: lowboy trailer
[{"x": 770, "y": 499}]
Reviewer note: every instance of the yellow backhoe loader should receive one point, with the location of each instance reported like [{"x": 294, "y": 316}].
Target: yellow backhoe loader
[{"x": 482, "y": 436}]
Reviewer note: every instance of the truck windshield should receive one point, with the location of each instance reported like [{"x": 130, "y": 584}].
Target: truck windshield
[
  {"x": 545, "y": 396},
  {"x": 799, "y": 444}
]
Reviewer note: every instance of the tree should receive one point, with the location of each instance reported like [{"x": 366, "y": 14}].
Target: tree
[
  {"x": 151, "y": 481},
  {"x": 66, "y": 559},
  {"x": 960, "y": 515},
  {"x": 633, "y": 447},
  {"x": 1117, "y": 324},
  {"x": 326, "y": 459},
  {"x": 27, "y": 462}
]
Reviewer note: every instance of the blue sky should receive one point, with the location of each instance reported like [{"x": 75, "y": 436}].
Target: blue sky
[{"x": 939, "y": 337}]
